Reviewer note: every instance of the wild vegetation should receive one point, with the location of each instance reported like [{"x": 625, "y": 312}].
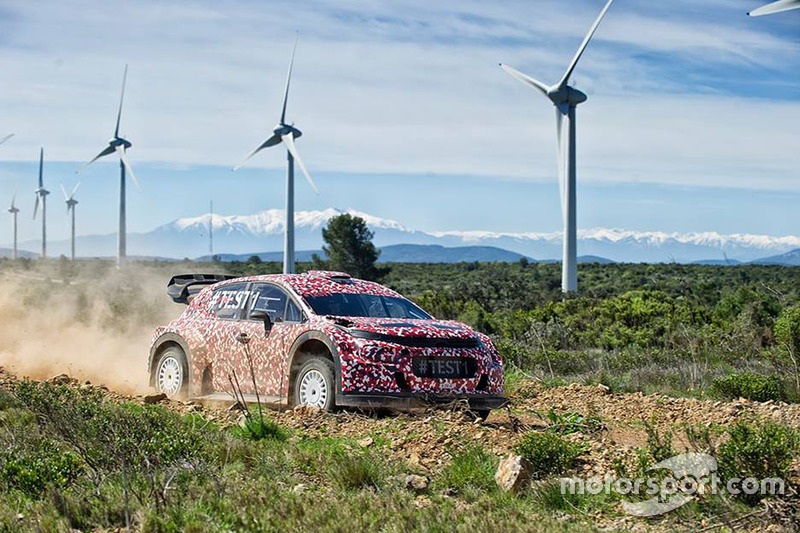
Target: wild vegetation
[{"x": 74, "y": 458}]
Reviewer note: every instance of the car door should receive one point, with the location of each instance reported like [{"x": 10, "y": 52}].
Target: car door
[
  {"x": 224, "y": 353},
  {"x": 269, "y": 350}
]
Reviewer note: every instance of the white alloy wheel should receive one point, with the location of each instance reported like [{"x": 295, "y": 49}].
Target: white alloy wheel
[
  {"x": 313, "y": 389},
  {"x": 169, "y": 376}
]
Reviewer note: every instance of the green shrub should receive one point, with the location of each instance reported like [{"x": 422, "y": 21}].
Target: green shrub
[
  {"x": 355, "y": 470},
  {"x": 259, "y": 428},
  {"x": 760, "y": 451},
  {"x": 32, "y": 471},
  {"x": 751, "y": 386},
  {"x": 548, "y": 453},
  {"x": 659, "y": 444},
  {"x": 471, "y": 468},
  {"x": 787, "y": 329}
]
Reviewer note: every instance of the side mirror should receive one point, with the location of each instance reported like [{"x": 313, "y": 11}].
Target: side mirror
[{"x": 260, "y": 314}]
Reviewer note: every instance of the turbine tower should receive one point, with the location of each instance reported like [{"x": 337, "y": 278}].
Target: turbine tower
[
  {"x": 286, "y": 133},
  {"x": 14, "y": 210},
  {"x": 120, "y": 146},
  {"x": 776, "y": 7},
  {"x": 566, "y": 100},
  {"x": 71, "y": 203},
  {"x": 41, "y": 195}
]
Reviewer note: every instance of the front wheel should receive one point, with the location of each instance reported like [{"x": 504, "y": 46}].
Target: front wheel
[
  {"x": 315, "y": 384},
  {"x": 170, "y": 376}
]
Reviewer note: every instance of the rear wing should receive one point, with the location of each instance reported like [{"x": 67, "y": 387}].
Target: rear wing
[{"x": 183, "y": 287}]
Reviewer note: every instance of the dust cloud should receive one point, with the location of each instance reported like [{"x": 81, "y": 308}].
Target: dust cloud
[{"x": 87, "y": 320}]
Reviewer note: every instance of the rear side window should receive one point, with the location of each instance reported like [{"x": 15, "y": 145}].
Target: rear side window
[
  {"x": 271, "y": 299},
  {"x": 227, "y": 302}
]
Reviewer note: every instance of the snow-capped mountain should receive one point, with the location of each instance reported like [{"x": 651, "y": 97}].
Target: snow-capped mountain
[{"x": 263, "y": 232}]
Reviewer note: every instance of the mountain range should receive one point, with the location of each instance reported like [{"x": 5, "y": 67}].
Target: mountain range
[{"x": 261, "y": 233}]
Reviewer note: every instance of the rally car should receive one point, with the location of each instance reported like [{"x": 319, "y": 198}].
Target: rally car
[{"x": 322, "y": 339}]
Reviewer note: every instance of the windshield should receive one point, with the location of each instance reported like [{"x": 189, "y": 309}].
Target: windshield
[{"x": 365, "y": 305}]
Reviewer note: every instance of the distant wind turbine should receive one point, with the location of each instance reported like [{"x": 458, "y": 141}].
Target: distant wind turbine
[
  {"x": 286, "y": 133},
  {"x": 776, "y": 7},
  {"x": 566, "y": 100},
  {"x": 119, "y": 146},
  {"x": 71, "y": 203},
  {"x": 14, "y": 210},
  {"x": 41, "y": 195}
]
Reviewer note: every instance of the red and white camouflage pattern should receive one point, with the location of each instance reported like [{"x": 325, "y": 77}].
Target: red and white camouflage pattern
[{"x": 363, "y": 366}]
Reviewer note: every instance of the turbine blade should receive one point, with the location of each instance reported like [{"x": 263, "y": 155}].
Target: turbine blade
[
  {"x": 66, "y": 197},
  {"x": 7, "y": 137},
  {"x": 36, "y": 207},
  {"x": 272, "y": 141},
  {"x": 584, "y": 44},
  {"x": 121, "y": 98},
  {"x": 124, "y": 159},
  {"x": 289, "y": 142},
  {"x": 13, "y": 199},
  {"x": 75, "y": 189},
  {"x": 288, "y": 79},
  {"x": 106, "y": 151},
  {"x": 524, "y": 78},
  {"x": 41, "y": 167},
  {"x": 775, "y": 7}
]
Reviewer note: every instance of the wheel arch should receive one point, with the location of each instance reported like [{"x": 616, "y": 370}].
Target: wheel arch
[
  {"x": 312, "y": 343},
  {"x": 164, "y": 342}
]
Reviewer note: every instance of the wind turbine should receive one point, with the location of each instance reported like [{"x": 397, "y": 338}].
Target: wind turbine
[
  {"x": 120, "y": 146},
  {"x": 566, "y": 100},
  {"x": 41, "y": 194},
  {"x": 71, "y": 203},
  {"x": 776, "y": 7},
  {"x": 14, "y": 210},
  {"x": 286, "y": 133}
]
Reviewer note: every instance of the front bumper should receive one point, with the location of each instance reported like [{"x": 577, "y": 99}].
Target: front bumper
[{"x": 411, "y": 400}]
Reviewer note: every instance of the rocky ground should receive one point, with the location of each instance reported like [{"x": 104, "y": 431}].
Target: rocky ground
[{"x": 424, "y": 439}]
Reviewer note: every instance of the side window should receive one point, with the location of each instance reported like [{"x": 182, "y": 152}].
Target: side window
[
  {"x": 228, "y": 301},
  {"x": 396, "y": 309},
  {"x": 293, "y": 313},
  {"x": 271, "y": 299}
]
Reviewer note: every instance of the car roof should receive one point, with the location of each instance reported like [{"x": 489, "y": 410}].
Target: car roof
[{"x": 319, "y": 283}]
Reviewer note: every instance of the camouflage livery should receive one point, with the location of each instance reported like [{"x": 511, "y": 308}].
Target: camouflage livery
[{"x": 373, "y": 357}]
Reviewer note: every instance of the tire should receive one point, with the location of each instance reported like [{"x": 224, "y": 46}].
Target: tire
[
  {"x": 315, "y": 384},
  {"x": 171, "y": 373}
]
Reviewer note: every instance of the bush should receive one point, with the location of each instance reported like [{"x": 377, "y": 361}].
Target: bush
[
  {"x": 548, "y": 453},
  {"x": 471, "y": 468},
  {"x": 259, "y": 428},
  {"x": 356, "y": 470},
  {"x": 759, "y": 451},
  {"x": 751, "y": 386},
  {"x": 787, "y": 329},
  {"x": 32, "y": 471}
]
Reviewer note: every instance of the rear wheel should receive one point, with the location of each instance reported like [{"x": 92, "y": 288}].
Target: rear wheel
[
  {"x": 315, "y": 384},
  {"x": 171, "y": 373}
]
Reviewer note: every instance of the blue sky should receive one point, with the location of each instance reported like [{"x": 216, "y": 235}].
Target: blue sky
[{"x": 691, "y": 124}]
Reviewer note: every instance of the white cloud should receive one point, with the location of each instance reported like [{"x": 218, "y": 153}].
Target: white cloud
[{"x": 404, "y": 87}]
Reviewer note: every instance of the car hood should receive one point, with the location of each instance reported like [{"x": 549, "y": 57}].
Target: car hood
[{"x": 429, "y": 329}]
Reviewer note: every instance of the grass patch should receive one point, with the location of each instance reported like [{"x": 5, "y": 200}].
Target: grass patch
[
  {"x": 548, "y": 453},
  {"x": 471, "y": 471}
]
